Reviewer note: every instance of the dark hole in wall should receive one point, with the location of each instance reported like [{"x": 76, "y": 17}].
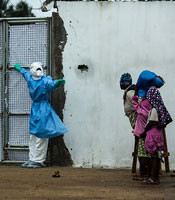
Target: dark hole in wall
[{"x": 83, "y": 68}]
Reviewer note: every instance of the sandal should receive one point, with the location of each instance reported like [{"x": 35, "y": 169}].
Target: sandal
[
  {"x": 137, "y": 178},
  {"x": 136, "y": 175},
  {"x": 151, "y": 181}
]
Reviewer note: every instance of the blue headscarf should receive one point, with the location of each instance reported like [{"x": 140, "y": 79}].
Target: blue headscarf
[{"x": 146, "y": 80}]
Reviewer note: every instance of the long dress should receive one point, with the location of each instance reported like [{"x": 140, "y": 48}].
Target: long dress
[
  {"x": 44, "y": 122},
  {"x": 142, "y": 109}
]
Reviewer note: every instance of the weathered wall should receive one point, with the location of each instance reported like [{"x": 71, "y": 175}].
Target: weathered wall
[
  {"x": 112, "y": 38},
  {"x": 59, "y": 152}
]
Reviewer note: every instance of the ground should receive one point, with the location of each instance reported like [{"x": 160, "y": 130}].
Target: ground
[{"x": 17, "y": 183}]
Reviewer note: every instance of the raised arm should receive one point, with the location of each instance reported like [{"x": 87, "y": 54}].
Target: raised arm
[
  {"x": 25, "y": 73},
  {"x": 52, "y": 85},
  {"x": 59, "y": 82},
  {"x": 18, "y": 67}
]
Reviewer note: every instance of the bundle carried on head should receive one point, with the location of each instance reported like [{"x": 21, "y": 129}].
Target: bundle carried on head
[{"x": 146, "y": 80}]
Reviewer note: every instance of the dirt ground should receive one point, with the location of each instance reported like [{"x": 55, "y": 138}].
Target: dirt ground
[{"x": 80, "y": 184}]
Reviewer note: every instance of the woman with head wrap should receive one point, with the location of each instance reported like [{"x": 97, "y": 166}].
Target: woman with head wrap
[
  {"x": 130, "y": 112},
  {"x": 143, "y": 108},
  {"x": 146, "y": 80}
]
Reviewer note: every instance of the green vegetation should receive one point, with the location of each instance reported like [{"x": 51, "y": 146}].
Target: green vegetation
[{"x": 20, "y": 10}]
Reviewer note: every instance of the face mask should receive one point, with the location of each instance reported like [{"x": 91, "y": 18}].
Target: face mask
[{"x": 36, "y": 70}]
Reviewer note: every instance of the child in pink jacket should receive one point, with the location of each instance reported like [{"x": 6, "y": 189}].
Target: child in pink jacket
[
  {"x": 158, "y": 118},
  {"x": 142, "y": 107}
]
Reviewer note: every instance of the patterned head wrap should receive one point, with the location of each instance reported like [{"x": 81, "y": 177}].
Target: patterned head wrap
[{"x": 155, "y": 99}]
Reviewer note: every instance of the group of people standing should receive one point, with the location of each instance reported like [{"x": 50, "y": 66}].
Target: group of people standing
[
  {"x": 148, "y": 116},
  {"x": 143, "y": 105}
]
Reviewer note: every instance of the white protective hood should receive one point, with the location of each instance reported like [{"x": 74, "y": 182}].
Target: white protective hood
[{"x": 36, "y": 70}]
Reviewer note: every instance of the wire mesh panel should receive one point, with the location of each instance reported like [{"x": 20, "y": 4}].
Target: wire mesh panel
[
  {"x": 17, "y": 155},
  {"x": 18, "y": 130},
  {"x": 18, "y": 93},
  {"x": 28, "y": 43},
  {"x": 19, "y": 100}
]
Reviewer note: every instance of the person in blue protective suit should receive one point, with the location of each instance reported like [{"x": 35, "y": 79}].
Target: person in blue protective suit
[
  {"x": 146, "y": 80},
  {"x": 44, "y": 122}
]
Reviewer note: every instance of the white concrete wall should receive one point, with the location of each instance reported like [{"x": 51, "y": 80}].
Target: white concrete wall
[{"x": 112, "y": 38}]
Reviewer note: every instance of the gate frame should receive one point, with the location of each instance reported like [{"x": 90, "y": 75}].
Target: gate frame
[{"x": 5, "y": 23}]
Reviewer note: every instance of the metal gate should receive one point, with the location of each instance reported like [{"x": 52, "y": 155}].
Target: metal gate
[{"x": 22, "y": 41}]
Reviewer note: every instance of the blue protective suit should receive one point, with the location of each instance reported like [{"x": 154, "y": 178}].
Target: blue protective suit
[
  {"x": 44, "y": 122},
  {"x": 146, "y": 80}
]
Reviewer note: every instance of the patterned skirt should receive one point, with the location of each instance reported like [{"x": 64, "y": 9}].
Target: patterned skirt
[{"x": 141, "y": 149}]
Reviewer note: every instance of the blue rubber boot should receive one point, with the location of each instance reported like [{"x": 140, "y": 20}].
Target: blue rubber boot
[
  {"x": 24, "y": 165},
  {"x": 34, "y": 165}
]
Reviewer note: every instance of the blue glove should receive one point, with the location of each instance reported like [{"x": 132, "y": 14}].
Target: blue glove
[
  {"x": 17, "y": 67},
  {"x": 60, "y": 82}
]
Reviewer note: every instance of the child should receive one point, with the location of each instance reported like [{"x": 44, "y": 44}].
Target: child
[
  {"x": 130, "y": 112},
  {"x": 44, "y": 122},
  {"x": 143, "y": 107},
  {"x": 145, "y": 81},
  {"x": 129, "y": 89},
  {"x": 154, "y": 142}
]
